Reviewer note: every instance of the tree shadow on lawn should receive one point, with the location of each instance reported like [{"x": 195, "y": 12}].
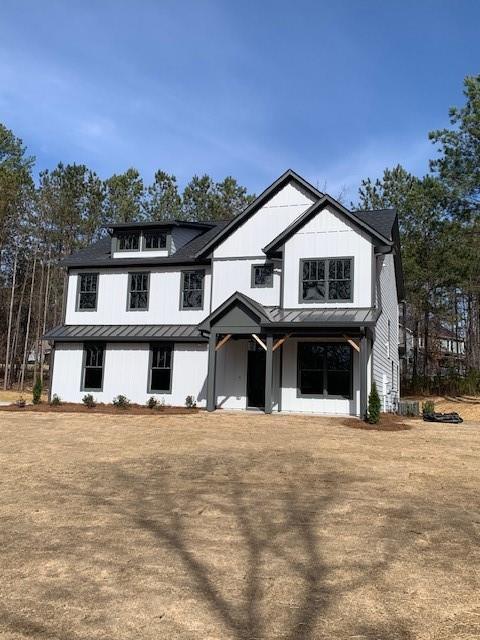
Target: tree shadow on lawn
[{"x": 247, "y": 541}]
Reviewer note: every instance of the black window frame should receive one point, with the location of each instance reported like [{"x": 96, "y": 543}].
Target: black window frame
[
  {"x": 85, "y": 365},
  {"x": 156, "y": 346},
  {"x": 265, "y": 265},
  {"x": 325, "y": 395},
  {"x": 185, "y": 273},
  {"x": 122, "y": 236},
  {"x": 131, "y": 276},
  {"x": 152, "y": 234},
  {"x": 81, "y": 276},
  {"x": 326, "y": 279}
]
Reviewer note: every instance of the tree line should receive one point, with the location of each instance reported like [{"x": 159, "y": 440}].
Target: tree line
[
  {"x": 67, "y": 208},
  {"x": 439, "y": 218}
]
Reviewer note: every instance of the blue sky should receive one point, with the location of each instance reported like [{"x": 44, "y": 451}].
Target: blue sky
[{"x": 335, "y": 90}]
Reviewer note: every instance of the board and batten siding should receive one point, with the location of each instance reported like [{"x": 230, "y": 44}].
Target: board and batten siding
[
  {"x": 236, "y": 275},
  {"x": 126, "y": 372},
  {"x": 163, "y": 302},
  {"x": 328, "y": 235},
  {"x": 385, "y": 352}
]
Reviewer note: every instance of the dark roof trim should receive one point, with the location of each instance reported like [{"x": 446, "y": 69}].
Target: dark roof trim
[
  {"x": 324, "y": 201},
  {"x": 255, "y": 307},
  {"x": 123, "y": 226},
  {"x": 274, "y": 188},
  {"x": 134, "y": 262},
  {"x": 397, "y": 260}
]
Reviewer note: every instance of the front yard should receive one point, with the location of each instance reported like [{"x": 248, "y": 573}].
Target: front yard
[{"x": 237, "y": 526}]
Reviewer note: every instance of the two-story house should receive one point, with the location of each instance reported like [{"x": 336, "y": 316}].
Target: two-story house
[{"x": 290, "y": 306}]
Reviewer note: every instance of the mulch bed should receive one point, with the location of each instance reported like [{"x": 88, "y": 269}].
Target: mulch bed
[
  {"x": 71, "y": 407},
  {"x": 388, "y": 422}
]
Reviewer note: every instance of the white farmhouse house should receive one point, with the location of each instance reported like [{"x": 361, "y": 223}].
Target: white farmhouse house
[{"x": 290, "y": 306}]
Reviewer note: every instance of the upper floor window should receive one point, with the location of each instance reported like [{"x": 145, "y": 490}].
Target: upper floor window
[
  {"x": 155, "y": 240},
  {"x": 262, "y": 275},
  {"x": 138, "y": 291},
  {"x": 326, "y": 280},
  {"x": 160, "y": 368},
  {"x": 128, "y": 242},
  {"x": 93, "y": 358},
  {"x": 192, "y": 289},
  {"x": 87, "y": 292}
]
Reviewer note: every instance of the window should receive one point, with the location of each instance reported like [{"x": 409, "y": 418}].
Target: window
[
  {"x": 155, "y": 240},
  {"x": 192, "y": 289},
  {"x": 93, "y": 367},
  {"x": 326, "y": 280},
  {"x": 138, "y": 291},
  {"x": 128, "y": 242},
  {"x": 87, "y": 291},
  {"x": 262, "y": 275},
  {"x": 160, "y": 368},
  {"x": 325, "y": 369}
]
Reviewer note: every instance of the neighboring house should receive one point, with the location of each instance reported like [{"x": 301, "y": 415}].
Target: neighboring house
[{"x": 290, "y": 306}]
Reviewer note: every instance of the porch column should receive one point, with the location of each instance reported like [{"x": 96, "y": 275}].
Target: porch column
[
  {"x": 269, "y": 375},
  {"x": 363, "y": 376},
  {"x": 212, "y": 361}
]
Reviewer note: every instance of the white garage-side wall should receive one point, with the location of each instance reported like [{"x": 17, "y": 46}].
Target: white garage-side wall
[
  {"x": 163, "y": 302},
  {"x": 385, "y": 346},
  {"x": 330, "y": 406},
  {"x": 328, "y": 235},
  {"x": 126, "y": 372},
  {"x": 265, "y": 224}
]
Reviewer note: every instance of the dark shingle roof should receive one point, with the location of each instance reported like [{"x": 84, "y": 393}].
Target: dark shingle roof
[
  {"x": 98, "y": 254},
  {"x": 381, "y": 220}
]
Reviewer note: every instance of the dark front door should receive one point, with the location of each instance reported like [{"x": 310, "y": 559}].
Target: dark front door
[{"x": 256, "y": 377}]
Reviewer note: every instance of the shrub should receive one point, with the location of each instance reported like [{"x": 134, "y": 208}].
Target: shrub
[
  {"x": 190, "y": 402},
  {"x": 37, "y": 391},
  {"x": 55, "y": 401},
  {"x": 89, "y": 401},
  {"x": 121, "y": 402},
  {"x": 152, "y": 402},
  {"x": 373, "y": 413},
  {"x": 160, "y": 406},
  {"x": 21, "y": 402},
  {"x": 428, "y": 407}
]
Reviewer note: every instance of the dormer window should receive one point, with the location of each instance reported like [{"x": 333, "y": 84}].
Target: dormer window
[
  {"x": 155, "y": 240},
  {"x": 128, "y": 242}
]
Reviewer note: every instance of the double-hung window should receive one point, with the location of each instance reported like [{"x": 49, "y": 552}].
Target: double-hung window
[
  {"x": 93, "y": 359},
  {"x": 160, "y": 375},
  {"x": 326, "y": 280},
  {"x": 325, "y": 369},
  {"x": 191, "y": 296},
  {"x": 155, "y": 240},
  {"x": 128, "y": 242},
  {"x": 262, "y": 275},
  {"x": 138, "y": 291},
  {"x": 87, "y": 291}
]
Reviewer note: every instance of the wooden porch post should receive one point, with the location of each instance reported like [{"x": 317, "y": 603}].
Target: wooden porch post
[
  {"x": 363, "y": 376},
  {"x": 269, "y": 375},
  {"x": 212, "y": 361}
]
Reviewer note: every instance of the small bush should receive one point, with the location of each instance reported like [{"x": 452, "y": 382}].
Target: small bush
[
  {"x": 121, "y": 402},
  {"x": 190, "y": 402},
  {"x": 89, "y": 401},
  {"x": 37, "y": 391},
  {"x": 428, "y": 407},
  {"x": 373, "y": 413},
  {"x": 55, "y": 401},
  {"x": 160, "y": 406},
  {"x": 21, "y": 402},
  {"x": 152, "y": 402}
]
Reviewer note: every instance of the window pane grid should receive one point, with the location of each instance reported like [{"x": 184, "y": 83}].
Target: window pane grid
[
  {"x": 155, "y": 240},
  {"x": 262, "y": 275},
  {"x": 161, "y": 368},
  {"x": 128, "y": 242},
  {"x": 138, "y": 291},
  {"x": 93, "y": 370},
  {"x": 87, "y": 298},
  {"x": 192, "y": 291},
  {"x": 326, "y": 279}
]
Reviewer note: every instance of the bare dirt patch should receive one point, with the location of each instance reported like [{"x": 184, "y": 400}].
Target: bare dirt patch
[
  {"x": 387, "y": 422},
  {"x": 235, "y": 527}
]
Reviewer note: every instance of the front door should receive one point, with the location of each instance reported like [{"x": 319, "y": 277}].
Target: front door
[{"x": 256, "y": 376}]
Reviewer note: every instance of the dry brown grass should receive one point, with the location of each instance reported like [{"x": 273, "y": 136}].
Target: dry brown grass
[{"x": 236, "y": 526}]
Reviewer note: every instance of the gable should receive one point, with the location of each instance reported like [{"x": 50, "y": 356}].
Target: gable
[{"x": 276, "y": 214}]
